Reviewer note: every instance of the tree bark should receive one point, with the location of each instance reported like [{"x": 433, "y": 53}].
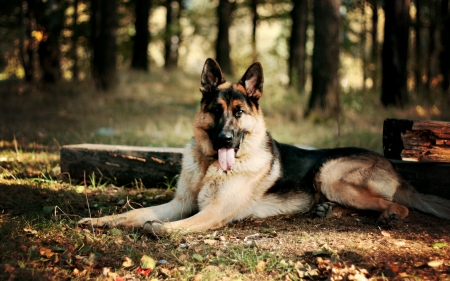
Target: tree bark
[
  {"x": 432, "y": 50},
  {"x": 418, "y": 67},
  {"x": 172, "y": 36},
  {"x": 223, "y": 49},
  {"x": 26, "y": 40},
  {"x": 375, "y": 45},
  {"x": 104, "y": 26},
  {"x": 142, "y": 37},
  {"x": 325, "y": 82},
  {"x": 75, "y": 69},
  {"x": 255, "y": 20},
  {"x": 49, "y": 56},
  {"x": 363, "y": 44},
  {"x": 445, "y": 53},
  {"x": 297, "y": 44},
  {"x": 394, "y": 89}
]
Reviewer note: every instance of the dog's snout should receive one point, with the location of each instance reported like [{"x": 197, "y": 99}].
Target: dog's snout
[{"x": 226, "y": 137}]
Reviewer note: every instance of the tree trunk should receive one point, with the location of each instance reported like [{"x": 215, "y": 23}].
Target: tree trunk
[
  {"x": 418, "y": 67},
  {"x": 363, "y": 45},
  {"x": 255, "y": 20},
  {"x": 26, "y": 40},
  {"x": 375, "y": 46},
  {"x": 142, "y": 37},
  {"x": 297, "y": 44},
  {"x": 223, "y": 49},
  {"x": 48, "y": 49},
  {"x": 75, "y": 69},
  {"x": 432, "y": 50},
  {"x": 325, "y": 83},
  {"x": 172, "y": 34},
  {"x": 104, "y": 25},
  {"x": 396, "y": 33},
  {"x": 445, "y": 53}
]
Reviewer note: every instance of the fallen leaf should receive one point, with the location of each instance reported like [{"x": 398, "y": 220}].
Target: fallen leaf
[
  {"x": 325, "y": 250},
  {"x": 165, "y": 271},
  {"x": 115, "y": 232},
  {"x": 128, "y": 262},
  {"x": 438, "y": 245},
  {"x": 385, "y": 233},
  {"x": 144, "y": 272},
  {"x": 198, "y": 257},
  {"x": 46, "y": 252},
  {"x": 210, "y": 242},
  {"x": 147, "y": 262},
  {"x": 435, "y": 263},
  {"x": 30, "y": 231},
  {"x": 9, "y": 268},
  {"x": 48, "y": 209},
  {"x": 260, "y": 266},
  {"x": 85, "y": 249}
]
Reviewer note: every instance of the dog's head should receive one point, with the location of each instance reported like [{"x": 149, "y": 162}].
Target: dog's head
[{"x": 229, "y": 112}]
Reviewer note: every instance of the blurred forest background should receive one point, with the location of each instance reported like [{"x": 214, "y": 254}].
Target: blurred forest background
[{"x": 330, "y": 53}]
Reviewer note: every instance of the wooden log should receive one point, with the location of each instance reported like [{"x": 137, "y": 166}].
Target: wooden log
[
  {"x": 124, "y": 164},
  {"x": 416, "y": 140},
  {"x": 155, "y": 165}
]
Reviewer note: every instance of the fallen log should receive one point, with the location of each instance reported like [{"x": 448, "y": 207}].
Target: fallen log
[
  {"x": 124, "y": 164},
  {"x": 154, "y": 166},
  {"x": 416, "y": 140}
]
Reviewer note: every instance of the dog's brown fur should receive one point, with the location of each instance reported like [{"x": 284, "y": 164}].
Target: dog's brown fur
[{"x": 263, "y": 177}]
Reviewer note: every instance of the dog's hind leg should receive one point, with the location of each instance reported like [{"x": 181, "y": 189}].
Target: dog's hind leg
[{"x": 365, "y": 182}]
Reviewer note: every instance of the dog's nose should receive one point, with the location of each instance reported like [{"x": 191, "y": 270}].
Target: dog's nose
[{"x": 226, "y": 137}]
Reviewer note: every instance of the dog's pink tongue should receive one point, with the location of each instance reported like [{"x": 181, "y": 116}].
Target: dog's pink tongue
[{"x": 226, "y": 158}]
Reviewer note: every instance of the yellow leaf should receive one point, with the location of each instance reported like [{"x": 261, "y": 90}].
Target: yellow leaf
[{"x": 147, "y": 262}]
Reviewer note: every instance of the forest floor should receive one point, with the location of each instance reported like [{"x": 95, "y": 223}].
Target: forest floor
[{"x": 39, "y": 206}]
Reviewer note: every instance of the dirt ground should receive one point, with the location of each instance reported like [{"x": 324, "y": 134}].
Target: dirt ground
[{"x": 416, "y": 248}]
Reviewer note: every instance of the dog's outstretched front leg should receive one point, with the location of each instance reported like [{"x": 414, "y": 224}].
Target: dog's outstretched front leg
[
  {"x": 218, "y": 206},
  {"x": 173, "y": 210}
]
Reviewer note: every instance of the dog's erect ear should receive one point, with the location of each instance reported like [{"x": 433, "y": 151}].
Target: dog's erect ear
[
  {"x": 253, "y": 80},
  {"x": 212, "y": 76}
]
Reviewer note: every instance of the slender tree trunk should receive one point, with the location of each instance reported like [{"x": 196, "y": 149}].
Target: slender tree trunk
[
  {"x": 325, "y": 82},
  {"x": 255, "y": 20},
  {"x": 432, "y": 50},
  {"x": 75, "y": 69},
  {"x": 172, "y": 33},
  {"x": 48, "y": 49},
  {"x": 375, "y": 45},
  {"x": 418, "y": 67},
  {"x": 26, "y": 40},
  {"x": 394, "y": 89},
  {"x": 104, "y": 25},
  {"x": 445, "y": 53},
  {"x": 297, "y": 44},
  {"x": 363, "y": 45},
  {"x": 223, "y": 49},
  {"x": 142, "y": 37}
]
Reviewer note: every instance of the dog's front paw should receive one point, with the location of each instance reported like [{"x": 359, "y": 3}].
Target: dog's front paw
[
  {"x": 155, "y": 227},
  {"x": 107, "y": 221},
  {"x": 324, "y": 210}
]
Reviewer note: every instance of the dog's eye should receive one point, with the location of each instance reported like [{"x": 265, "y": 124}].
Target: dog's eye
[{"x": 239, "y": 113}]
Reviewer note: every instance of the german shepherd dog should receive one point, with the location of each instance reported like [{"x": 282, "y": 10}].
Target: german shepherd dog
[{"x": 233, "y": 169}]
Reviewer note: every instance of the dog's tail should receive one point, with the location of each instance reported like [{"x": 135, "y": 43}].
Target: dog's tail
[{"x": 408, "y": 196}]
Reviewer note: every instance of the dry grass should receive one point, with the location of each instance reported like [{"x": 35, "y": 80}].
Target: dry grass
[{"x": 41, "y": 242}]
